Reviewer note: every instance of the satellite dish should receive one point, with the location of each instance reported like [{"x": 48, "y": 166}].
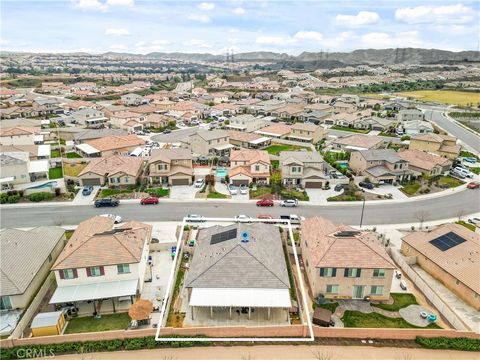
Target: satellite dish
[{"x": 245, "y": 237}]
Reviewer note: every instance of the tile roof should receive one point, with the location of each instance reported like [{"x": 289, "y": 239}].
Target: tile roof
[
  {"x": 167, "y": 155},
  {"x": 211, "y": 135},
  {"x": 243, "y": 136},
  {"x": 259, "y": 263},
  {"x": 363, "y": 141},
  {"x": 22, "y": 254},
  {"x": 277, "y": 129},
  {"x": 115, "y": 142},
  {"x": 434, "y": 137},
  {"x": 96, "y": 243},
  {"x": 356, "y": 251},
  {"x": 251, "y": 156},
  {"x": 461, "y": 261},
  {"x": 388, "y": 155},
  {"x": 19, "y": 130},
  {"x": 98, "y": 133},
  {"x": 423, "y": 160},
  {"x": 300, "y": 156},
  {"x": 105, "y": 166},
  {"x": 13, "y": 158}
]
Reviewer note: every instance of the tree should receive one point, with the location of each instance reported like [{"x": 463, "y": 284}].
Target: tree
[{"x": 421, "y": 216}]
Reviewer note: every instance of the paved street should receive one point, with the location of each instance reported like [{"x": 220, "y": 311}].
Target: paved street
[{"x": 449, "y": 206}]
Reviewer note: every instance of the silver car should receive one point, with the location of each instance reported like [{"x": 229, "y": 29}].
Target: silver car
[{"x": 289, "y": 203}]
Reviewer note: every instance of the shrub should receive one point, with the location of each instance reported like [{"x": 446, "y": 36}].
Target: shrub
[
  {"x": 463, "y": 344},
  {"x": 9, "y": 198},
  {"x": 40, "y": 196}
]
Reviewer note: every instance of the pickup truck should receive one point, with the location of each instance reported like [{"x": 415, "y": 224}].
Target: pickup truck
[{"x": 294, "y": 219}]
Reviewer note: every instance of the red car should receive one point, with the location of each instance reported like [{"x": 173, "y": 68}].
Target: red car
[
  {"x": 265, "y": 217},
  {"x": 151, "y": 200},
  {"x": 473, "y": 185},
  {"x": 265, "y": 202}
]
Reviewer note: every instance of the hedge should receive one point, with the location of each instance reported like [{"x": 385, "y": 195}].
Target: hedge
[
  {"x": 96, "y": 346},
  {"x": 462, "y": 344},
  {"x": 9, "y": 199},
  {"x": 40, "y": 196}
]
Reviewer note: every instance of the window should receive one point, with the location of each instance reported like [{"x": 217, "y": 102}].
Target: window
[
  {"x": 95, "y": 271},
  {"x": 5, "y": 303},
  {"x": 352, "y": 272},
  {"x": 379, "y": 273},
  {"x": 332, "y": 289},
  {"x": 457, "y": 282},
  {"x": 49, "y": 258},
  {"x": 127, "y": 179},
  {"x": 257, "y": 167},
  {"x": 68, "y": 274},
  {"x": 296, "y": 169},
  {"x": 123, "y": 268},
  {"x": 328, "y": 272},
  {"x": 376, "y": 290}
]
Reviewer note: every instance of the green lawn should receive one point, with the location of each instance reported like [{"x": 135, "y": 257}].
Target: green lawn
[
  {"x": 260, "y": 192},
  {"x": 55, "y": 173},
  {"x": 111, "y": 192},
  {"x": 345, "y": 128},
  {"x": 105, "y": 323},
  {"x": 62, "y": 141},
  {"x": 475, "y": 170},
  {"x": 332, "y": 306},
  {"x": 373, "y": 320},
  {"x": 158, "y": 192},
  {"x": 387, "y": 134},
  {"x": 276, "y": 164},
  {"x": 216, "y": 195},
  {"x": 411, "y": 188},
  {"x": 276, "y": 149},
  {"x": 55, "y": 153},
  {"x": 73, "y": 155},
  {"x": 448, "y": 182},
  {"x": 467, "y": 225},
  {"x": 399, "y": 301}
]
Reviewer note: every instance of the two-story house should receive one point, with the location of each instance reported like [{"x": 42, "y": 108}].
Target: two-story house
[
  {"x": 131, "y": 99},
  {"x": 92, "y": 118},
  {"x": 426, "y": 163},
  {"x": 170, "y": 166},
  {"x": 247, "y": 123},
  {"x": 443, "y": 145},
  {"x": 344, "y": 263},
  {"x": 410, "y": 114},
  {"x": 302, "y": 169},
  {"x": 19, "y": 135},
  {"x": 249, "y": 166},
  {"x": 102, "y": 268},
  {"x": 114, "y": 170},
  {"x": 380, "y": 166},
  {"x": 307, "y": 132},
  {"x": 110, "y": 145},
  {"x": 208, "y": 143}
]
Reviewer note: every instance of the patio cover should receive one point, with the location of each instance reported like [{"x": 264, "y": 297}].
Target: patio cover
[
  {"x": 38, "y": 166},
  {"x": 100, "y": 290},
  {"x": 260, "y": 140},
  {"x": 240, "y": 297},
  {"x": 223, "y": 147},
  {"x": 87, "y": 149},
  {"x": 43, "y": 150}
]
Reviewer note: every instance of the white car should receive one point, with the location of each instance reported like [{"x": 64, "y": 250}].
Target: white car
[
  {"x": 194, "y": 218},
  {"x": 243, "y": 218},
  {"x": 243, "y": 189},
  {"x": 289, "y": 203},
  {"x": 232, "y": 189},
  {"x": 117, "y": 219},
  {"x": 474, "y": 220},
  {"x": 199, "y": 183}
]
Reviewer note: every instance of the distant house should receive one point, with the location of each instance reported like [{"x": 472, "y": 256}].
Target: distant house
[
  {"x": 235, "y": 267},
  {"x": 91, "y": 134},
  {"x": 410, "y": 115},
  {"x": 249, "y": 166},
  {"x": 89, "y": 117},
  {"x": 304, "y": 169},
  {"x": 20, "y": 135},
  {"x": 21, "y": 279},
  {"x": 426, "y": 163},
  {"x": 344, "y": 263},
  {"x": 246, "y": 140},
  {"x": 357, "y": 142},
  {"x": 101, "y": 269},
  {"x": 114, "y": 170},
  {"x": 170, "y": 166},
  {"x": 246, "y": 123},
  {"x": 316, "y": 116},
  {"x": 131, "y": 99},
  {"x": 109, "y": 145},
  {"x": 443, "y": 145},
  {"x": 415, "y": 127},
  {"x": 394, "y": 106},
  {"x": 450, "y": 254},
  {"x": 206, "y": 143},
  {"x": 128, "y": 120},
  {"x": 380, "y": 165},
  {"x": 374, "y": 123},
  {"x": 35, "y": 152},
  {"x": 275, "y": 131},
  {"x": 307, "y": 132},
  {"x": 17, "y": 168}
]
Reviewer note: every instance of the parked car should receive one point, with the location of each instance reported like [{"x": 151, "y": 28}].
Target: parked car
[
  {"x": 266, "y": 217},
  {"x": 294, "y": 219},
  {"x": 338, "y": 187},
  {"x": 473, "y": 185},
  {"x": 117, "y": 219},
  {"x": 470, "y": 160},
  {"x": 194, "y": 218},
  {"x": 107, "y": 202},
  {"x": 462, "y": 171},
  {"x": 366, "y": 185},
  {"x": 199, "y": 183},
  {"x": 403, "y": 285},
  {"x": 289, "y": 203},
  {"x": 243, "y": 189},
  {"x": 474, "y": 220},
  {"x": 265, "y": 202},
  {"x": 232, "y": 189},
  {"x": 87, "y": 190},
  {"x": 149, "y": 200},
  {"x": 167, "y": 131},
  {"x": 243, "y": 218}
]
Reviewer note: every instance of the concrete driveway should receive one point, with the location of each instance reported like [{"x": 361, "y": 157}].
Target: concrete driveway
[
  {"x": 183, "y": 192},
  {"x": 321, "y": 196},
  {"x": 81, "y": 199},
  {"x": 388, "y": 189}
]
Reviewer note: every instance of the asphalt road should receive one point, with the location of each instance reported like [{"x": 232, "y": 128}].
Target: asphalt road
[
  {"x": 467, "y": 137},
  {"x": 448, "y": 206}
]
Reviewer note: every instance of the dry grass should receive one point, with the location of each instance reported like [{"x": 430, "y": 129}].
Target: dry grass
[
  {"x": 462, "y": 98},
  {"x": 73, "y": 169}
]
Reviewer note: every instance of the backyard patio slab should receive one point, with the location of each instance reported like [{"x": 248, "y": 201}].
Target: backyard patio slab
[
  {"x": 411, "y": 314},
  {"x": 356, "y": 305}
]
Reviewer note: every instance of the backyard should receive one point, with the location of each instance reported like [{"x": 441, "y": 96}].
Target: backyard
[
  {"x": 105, "y": 323},
  {"x": 55, "y": 153},
  {"x": 276, "y": 149},
  {"x": 374, "y": 320},
  {"x": 399, "y": 301},
  {"x": 55, "y": 173},
  {"x": 72, "y": 169},
  {"x": 73, "y": 155},
  {"x": 346, "y": 128}
]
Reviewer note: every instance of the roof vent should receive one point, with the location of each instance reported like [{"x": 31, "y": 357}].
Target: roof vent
[{"x": 245, "y": 236}]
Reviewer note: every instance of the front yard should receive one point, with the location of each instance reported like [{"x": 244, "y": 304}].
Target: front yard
[
  {"x": 429, "y": 185},
  {"x": 105, "y": 323},
  {"x": 216, "y": 195},
  {"x": 133, "y": 193},
  {"x": 294, "y": 194}
]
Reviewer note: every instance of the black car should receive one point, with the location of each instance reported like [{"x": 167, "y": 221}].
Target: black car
[
  {"x": 167, "y": 131},
  {"x": 366, "y": 185},
  {"x": 338, "y": 187},
  {"x": 87, "y": 190},
  {"x": 107, "y": 202}
]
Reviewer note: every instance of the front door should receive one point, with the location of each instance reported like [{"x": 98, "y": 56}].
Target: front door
[{"x": 358, "y": 291}]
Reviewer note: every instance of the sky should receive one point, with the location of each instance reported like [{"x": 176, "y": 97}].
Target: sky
[{"x": 137, "y": 26}]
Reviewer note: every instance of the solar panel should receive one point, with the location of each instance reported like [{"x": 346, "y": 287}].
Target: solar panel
[
  {"x": 223, "y": 236},
  {"x": 447, "y": 241}
]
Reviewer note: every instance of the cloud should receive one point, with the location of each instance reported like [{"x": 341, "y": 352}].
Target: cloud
[
  {"x": 206, "y": 6},
  {"x": 160, "y": 42},
  {"x": 379, "y": 40},
  {"x": 308, "y": 35},
  {"x": 89, "y": 5},
  {"x": 362, "y": 18},
  {"x": 3, "y": 42},
  {"x": 128, "y": 3},
  {"x": 238, "y": 11},
  {"x": 199, "y": 17},
  {"x": 274, "y": 40},
  {"x": 118, "y": 47},
  {"x": 117, "y": 32},
  {"x": 448, "y": 14}
]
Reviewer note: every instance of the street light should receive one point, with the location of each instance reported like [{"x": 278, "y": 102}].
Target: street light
[{"x": 363, "y": 209}]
